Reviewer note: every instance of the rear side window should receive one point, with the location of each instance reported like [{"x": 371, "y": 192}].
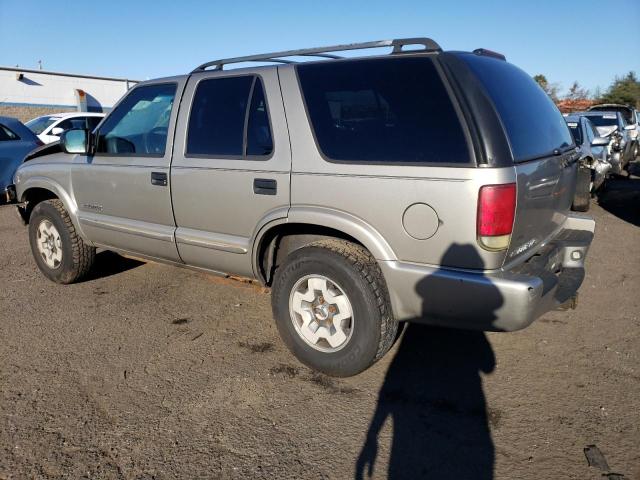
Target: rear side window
[
  {"x": 576, "y": 132},
  {"x": 7, "y": 135},
  {"x": 229, "y": 118},
  {"x": 382, "y": 111},
  {"x": 533, "y": 123}
]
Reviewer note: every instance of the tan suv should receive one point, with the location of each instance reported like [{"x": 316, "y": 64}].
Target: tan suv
[{"x": 423, "y": 186}]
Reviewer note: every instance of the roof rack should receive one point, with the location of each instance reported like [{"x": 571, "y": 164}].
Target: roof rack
[
  {"x": 489, "y": 53},
  {"x": 324, "y": 52}
]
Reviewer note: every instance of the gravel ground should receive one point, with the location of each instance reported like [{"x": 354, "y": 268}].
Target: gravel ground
[{"x": 148, "y": 371}]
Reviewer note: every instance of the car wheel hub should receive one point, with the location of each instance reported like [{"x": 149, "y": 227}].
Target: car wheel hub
[
  {"x": 321, "y": 313},
  {"x": 49, "y": 244}
]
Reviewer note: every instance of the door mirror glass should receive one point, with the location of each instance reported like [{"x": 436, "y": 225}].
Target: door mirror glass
[
  {"x": 56, "y": 131},
  {"x": 75, "y": 141},
  {"x": 600, "y": 142}
]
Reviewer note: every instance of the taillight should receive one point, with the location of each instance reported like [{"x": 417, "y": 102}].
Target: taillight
[{"x": 496, "y": 210}]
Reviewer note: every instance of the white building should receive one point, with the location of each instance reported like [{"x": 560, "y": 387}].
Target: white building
[{"x": 26, "y": 94}]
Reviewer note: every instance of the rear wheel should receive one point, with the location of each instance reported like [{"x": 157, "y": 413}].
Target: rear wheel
[
  {"x": 332, "y": 309},
  {"x": 582, "y": 197},
  {"x": 59, "y": 252}
]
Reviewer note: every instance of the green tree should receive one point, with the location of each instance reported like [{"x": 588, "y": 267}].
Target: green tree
[
  {"x": 550, "y": 88},
  {"x": 624, "y": 90}
]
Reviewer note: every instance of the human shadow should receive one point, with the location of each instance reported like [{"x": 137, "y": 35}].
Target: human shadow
[
  {"x": 109, "y": 263},
  {"x": 433, "y": 395},
  {"x": 621, "y": 196}
]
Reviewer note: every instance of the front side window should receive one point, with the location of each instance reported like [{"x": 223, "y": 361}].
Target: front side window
[
  {"x": 92, "y": 123},
  {"x": 71, "y": 123},
  {"x": 229, "y": 118},
  {"x": 140, "y": 124},
  {"x": 382, "y": 111},
  {"x": 7, "y": 135}
]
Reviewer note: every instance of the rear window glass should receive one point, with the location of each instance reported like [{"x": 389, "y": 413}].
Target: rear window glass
[
  {"x": 533, "y": 123},
  {"x": 229, "y": 118},
  {"x": 382, "y": 111}
]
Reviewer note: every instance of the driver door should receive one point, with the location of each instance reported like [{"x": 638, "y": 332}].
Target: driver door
[{"x": 122, "y": 190}]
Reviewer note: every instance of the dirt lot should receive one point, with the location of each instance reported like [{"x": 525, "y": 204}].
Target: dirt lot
[{"x": 148, "y": 371}]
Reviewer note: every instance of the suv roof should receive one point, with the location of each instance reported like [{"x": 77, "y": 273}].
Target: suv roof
[{"x": 399, "y": 46}]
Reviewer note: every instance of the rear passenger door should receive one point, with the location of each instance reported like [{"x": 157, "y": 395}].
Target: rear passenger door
[{"x": 231, "y": 167}]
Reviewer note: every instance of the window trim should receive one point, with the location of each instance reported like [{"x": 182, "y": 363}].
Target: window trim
[
  {"x": 253, "y": 158},
  {"x": 17, "y": 137},
  {"x": 96, "y": 131},
  {"x": 455, "y": 103}
]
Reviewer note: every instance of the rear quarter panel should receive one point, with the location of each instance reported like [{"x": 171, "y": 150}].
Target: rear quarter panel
[{"x": 379, "y": 195}]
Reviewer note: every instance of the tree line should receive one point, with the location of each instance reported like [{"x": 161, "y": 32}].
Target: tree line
[{"x": 624, "y": 90}]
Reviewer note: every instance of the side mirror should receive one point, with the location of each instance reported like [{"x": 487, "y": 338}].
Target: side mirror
[
  {"x": 75, "y": 141},
  {"x": 600, "y": 142},
  {"x": 56, "y": 131},
  {"x": 630, "y": 127}
]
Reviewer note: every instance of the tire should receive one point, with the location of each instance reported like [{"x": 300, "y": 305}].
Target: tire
[
  {"x": 582, "y": 197},
  {"x": 65, "y": 258},
  {"x": 346, "y": 269}
]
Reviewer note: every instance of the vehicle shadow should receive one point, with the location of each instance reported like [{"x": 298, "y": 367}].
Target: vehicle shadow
[
  {"x": 433, "y": 395},
  {"x": 110, "y": 263},
  {"x": 621, "y": 196}
]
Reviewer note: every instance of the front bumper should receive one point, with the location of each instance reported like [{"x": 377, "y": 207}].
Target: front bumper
[{"x": 505, "y": 300}]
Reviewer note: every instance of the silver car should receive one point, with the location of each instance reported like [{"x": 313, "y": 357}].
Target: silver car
[
  {"x": 631, "y": 117},
  {"x": 422, "y": 186},
  {"x": 612, "y": 125},
  {"x": 593, "y": 165}
]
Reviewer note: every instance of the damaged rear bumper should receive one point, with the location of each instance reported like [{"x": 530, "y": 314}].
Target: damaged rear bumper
[{"x": 503, "y": 300}]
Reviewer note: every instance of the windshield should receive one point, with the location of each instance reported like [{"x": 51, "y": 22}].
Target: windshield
[
  {"x": 40, "y": 124},
  {"x": 626, "y": 113},
  {"x": 604, "y": 120}
]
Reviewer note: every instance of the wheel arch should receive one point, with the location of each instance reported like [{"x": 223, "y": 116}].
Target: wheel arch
[
  {"x": 39, "y": 189},
  {"x": 303, "y": 226}
]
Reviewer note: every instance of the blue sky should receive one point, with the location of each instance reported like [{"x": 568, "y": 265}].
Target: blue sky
[{"x": 591, "y": 41}]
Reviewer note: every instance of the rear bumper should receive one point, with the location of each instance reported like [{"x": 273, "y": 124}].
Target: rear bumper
[{"x": 505, "y": 300}]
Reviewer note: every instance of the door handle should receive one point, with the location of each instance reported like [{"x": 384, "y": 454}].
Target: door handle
[
  {"x": 159, "y": 178},
  {"x": 265, "y": 186}
]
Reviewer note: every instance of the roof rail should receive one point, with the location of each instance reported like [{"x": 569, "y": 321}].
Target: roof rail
[
  {"x": 489, "y": 53},
  {"x": 324, "y": 52}
]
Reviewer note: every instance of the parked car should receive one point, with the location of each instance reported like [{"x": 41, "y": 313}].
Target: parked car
[
  {"x": 16, "y": 141},
  {"x": 422, "y": 186},
  {"x": 613, "y": 126},
  {"x": 48, "y": 128},
  {"x": 593, "y": 164},
  {"x": 631, "y": 117}
]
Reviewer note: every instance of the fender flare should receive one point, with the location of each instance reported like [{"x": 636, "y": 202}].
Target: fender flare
[{"x": 338, "y": 220}]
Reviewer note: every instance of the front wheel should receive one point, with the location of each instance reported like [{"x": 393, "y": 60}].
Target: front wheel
[
  {"x": 59, "y": 252},
  {"x": 332, "y": 309}
]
